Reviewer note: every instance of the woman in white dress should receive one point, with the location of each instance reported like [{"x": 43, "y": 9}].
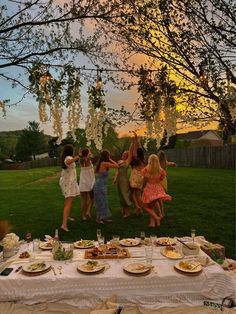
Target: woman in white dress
[
  {"x": 68, "y": 182},
  {"x": 86, "y": 182}
]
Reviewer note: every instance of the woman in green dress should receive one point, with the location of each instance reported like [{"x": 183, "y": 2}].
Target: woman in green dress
[{"x": 122, "y": 179}]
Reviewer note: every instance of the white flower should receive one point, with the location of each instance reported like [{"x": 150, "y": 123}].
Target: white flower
[{"x": 10, "y": 241}]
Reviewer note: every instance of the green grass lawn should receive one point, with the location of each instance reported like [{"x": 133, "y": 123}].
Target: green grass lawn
[{"x": 202, "y": 199}]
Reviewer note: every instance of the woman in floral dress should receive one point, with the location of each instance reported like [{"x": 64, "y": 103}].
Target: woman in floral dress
[{"x": 154, "y": 193}]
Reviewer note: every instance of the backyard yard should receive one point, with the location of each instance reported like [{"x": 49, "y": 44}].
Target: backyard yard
[{"x": 202, "y": 199}]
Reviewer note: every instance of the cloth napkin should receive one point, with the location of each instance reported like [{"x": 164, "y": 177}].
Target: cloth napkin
[
  {"x": 109, "y": 306},
  {"x": 48, "y": 238}
]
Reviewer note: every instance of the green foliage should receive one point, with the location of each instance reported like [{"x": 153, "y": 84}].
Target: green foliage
[
  {"x": 31, "y": 142},
  {"x": 196, "y": 40}
]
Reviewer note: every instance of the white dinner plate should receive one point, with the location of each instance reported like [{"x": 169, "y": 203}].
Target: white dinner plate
[
  {"x": 91, "y": 267},
  {"x": 137, "y": 268},
  {"x": 45, "y": 246},
  {"x": 172, "y": 254},
  {"x": 84, "y": 244},
  {"x": 36, "y": 267},
  {"x": 188, "y": 266},
  {"x": 165, "y": 241},
  {"x": 129, "y": 242}
]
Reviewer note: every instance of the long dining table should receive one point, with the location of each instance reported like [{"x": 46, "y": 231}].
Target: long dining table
[{"x": 162, "y": 286}]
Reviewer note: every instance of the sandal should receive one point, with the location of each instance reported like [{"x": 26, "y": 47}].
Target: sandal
[
  {"x": 98, "y": 221},
  {"x": 71, "y": 218}
]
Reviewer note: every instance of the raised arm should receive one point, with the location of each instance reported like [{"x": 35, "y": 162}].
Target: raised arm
[{"x": 132, "y": 149}]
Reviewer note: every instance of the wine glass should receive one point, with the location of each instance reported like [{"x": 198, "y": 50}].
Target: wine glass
[
  {"x": 99, "y": 234},
  {"x": 193, "y": 234},
  {"x": 28, "y": 239},
  {"x": 142, "y": 236}
]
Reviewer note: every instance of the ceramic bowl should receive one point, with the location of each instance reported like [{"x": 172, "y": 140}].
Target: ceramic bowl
[{"x": 193, "y": 249}]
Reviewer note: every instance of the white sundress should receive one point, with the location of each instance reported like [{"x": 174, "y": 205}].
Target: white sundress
[
  {"x": 68, "y": 180},
  {"x": 87, "y": 179}
]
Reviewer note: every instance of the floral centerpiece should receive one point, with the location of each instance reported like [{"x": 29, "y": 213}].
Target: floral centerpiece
[{"x": 9, "y": 243}]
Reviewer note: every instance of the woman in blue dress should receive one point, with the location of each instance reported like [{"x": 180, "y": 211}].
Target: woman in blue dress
[{"x": 103, "y": 212}]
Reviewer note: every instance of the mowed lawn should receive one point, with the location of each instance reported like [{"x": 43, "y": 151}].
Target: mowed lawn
[{"x": 202, "y": 199}]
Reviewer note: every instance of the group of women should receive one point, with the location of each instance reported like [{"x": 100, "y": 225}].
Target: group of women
[{"x": 146, "y": 187}]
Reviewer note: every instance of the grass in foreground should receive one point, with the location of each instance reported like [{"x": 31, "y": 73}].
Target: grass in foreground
[{"x": 202, "y": 199}]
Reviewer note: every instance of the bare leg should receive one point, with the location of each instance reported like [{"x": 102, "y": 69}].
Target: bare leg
[
  {"x": 152, "y": 222},
  {"x": 137, "y": 201},
  {"x": 66, "y": 212},
  {"x": 91, "y": 202},
  {"x": 83, "y": 204},
  {"x": 149, "y": 209},
  {"x": 126, "y": 212},
  {"x": 158, "y": 206}
]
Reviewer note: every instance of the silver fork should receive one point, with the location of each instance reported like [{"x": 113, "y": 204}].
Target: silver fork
[{"x": 60, "y": 269}]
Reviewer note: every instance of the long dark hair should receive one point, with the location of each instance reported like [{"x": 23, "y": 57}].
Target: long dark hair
[
  {"x": 84, "y": 155},
  {"x": 104, "y": 156},
  {"x": 68, "y": 150},
  {"x": 140, "y": 159}
]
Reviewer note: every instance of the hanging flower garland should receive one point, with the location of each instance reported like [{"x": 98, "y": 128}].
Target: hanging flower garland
[
  {"x": 52, "y": 94},
  {"x": 157, "y": 107},
  {"x": 96, "y": 124},
  {"x": 74, "y": 106}
]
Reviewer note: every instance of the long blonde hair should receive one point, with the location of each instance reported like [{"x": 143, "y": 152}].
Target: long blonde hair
[{"x": 153, "y": 166}]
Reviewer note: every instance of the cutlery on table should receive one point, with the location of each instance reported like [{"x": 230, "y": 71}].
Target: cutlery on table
[
  {"x": 54, "y": 271},
  {"x": 190, "y": 248},
  {"x": 195, "y": 266},
  {"x": 18, "y": 269},
  {"x": 60, "y": 269}
]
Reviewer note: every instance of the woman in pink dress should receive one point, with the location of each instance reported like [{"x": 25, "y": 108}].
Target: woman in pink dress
[{"x": 153, "y": 193}]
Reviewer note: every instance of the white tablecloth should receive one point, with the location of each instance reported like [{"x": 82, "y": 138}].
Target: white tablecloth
[{"x": 164, "y": 286}]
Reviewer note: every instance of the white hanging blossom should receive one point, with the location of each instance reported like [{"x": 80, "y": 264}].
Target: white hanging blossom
[
  {"x": 75, "y": 110},
  {"x": 2, "y": 106},
  {"x": 42, "y": 112},
  {"x": 56, "y": 112},
  {"x": 96, "y": 125}
]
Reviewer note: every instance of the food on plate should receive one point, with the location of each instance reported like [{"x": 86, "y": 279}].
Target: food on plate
[
  {"x": 36, "y": 266},
  {"x": 140, "y": 267},
  {"x": 91, "y": 265},
  {"x": 84, "y": 243},
  {"x": 165, "y": 241},
  {"x": 24, "y": 255},
  {"x": 129, "y": 242},
  {"x": 187, "y": 265},
  {"x": 46, "y": 245},
  {"x": 171, "y": 252},
  {"x": 107, "y": 251}
]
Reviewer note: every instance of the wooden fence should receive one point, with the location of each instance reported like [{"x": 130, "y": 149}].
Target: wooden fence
[
  {"x": 45, "y": 162},
  {"x": 204, "y": 157}
]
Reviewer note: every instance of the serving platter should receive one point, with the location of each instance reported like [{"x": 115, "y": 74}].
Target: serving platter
[
  {"x": 84, "y": 244},
  {"x": 129, "y": 242},
  {"x": 106, "y": 252}
]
